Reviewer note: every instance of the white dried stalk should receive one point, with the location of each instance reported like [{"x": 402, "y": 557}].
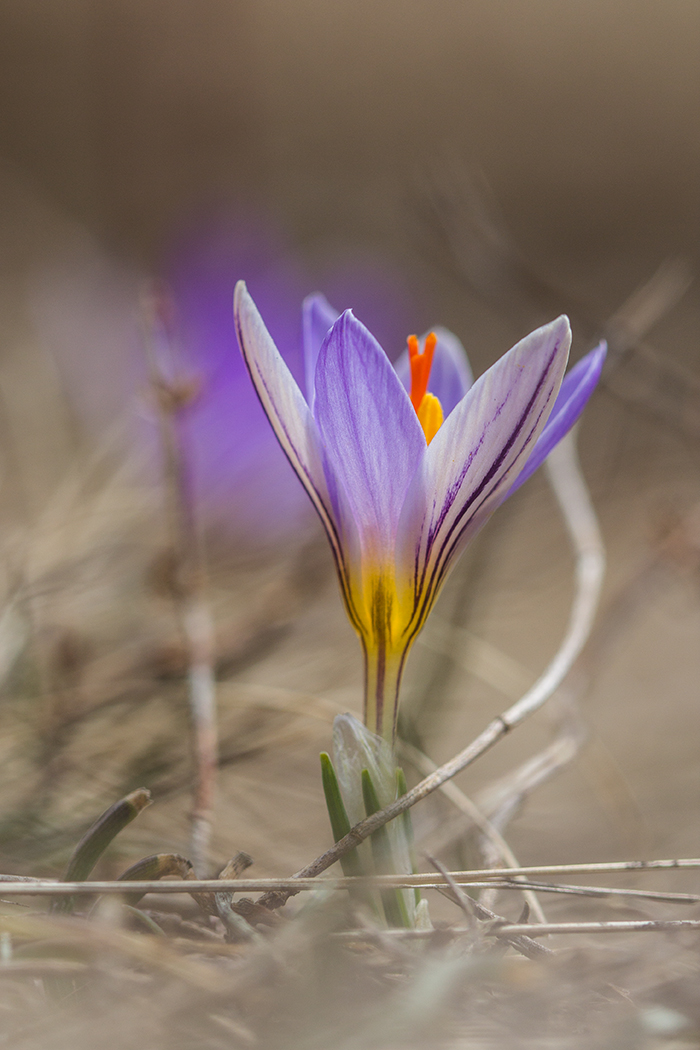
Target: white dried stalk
[
  {"x": 506, "y": 931},
  {"x": 582, "y": 526},
  {"x": 20, "y": 885},
  {"x": 620, "y": 926},
  {"x": 574, "y": 502}
]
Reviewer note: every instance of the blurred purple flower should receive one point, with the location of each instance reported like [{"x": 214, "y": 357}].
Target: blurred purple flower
[
  {"x": 239, "y": 473},
  {"x": 88, "y": 314}
]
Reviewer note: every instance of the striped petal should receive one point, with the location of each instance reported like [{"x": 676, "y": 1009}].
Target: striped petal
[
  {"x": 575, "y": 391},
  {"x": 450, "y": 375},
  {"x": 318, "y": 316},
  {"x": 370, "y": 432},
  {"x": 473, "y": 459},
  {"x": 289, "y": 415}
]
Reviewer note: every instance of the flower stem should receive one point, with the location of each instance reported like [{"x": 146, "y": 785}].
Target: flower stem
[{"x": 383, "y": 670}]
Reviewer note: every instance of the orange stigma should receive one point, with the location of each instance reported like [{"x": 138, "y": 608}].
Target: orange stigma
[
  {"x": 428, "y": 408},
  {"x": 421, "y": 363}
]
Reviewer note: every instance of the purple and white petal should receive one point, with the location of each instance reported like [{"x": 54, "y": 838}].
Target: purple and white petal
[
  {"x": 474, "y": 457},
  {"x": 575, "y": 391},
  {"x": 370, "y": 432},
  {"x": 287, "y": 412},
  {"x": 450, "y": 375},
  {"x": 318, "y": 316}
]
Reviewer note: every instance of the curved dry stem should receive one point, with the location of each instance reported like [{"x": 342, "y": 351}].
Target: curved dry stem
[
  {"x": 582, "y": 526},
  {"x": 571, "y": 492}
]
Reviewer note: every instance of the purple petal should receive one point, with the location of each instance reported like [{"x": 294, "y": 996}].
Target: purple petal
[
  {"x": 288, "y": 413},
  {"x": 474, "y": 457},
  {"x": 318, "y": 316},
  {"x": 370, "y": 431},
  {"x": 450, "y": 376},
  {"x": 575, "y": 391}
]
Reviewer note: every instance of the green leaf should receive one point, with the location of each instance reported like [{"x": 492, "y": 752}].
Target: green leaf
[{"x": 340, "y": 823}]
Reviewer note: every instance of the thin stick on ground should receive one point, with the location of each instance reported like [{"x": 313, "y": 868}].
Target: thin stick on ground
[
  {"x": 173, "y": 396},
  {"x": 22, "y": 885},
  {"x": 528, "y": 931},
  {"x": 599, "y": 892},
  {"x": 462, "y": 899},
  {"x": 621, "y": 926}
]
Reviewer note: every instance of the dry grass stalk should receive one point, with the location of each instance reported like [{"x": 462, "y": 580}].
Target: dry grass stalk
[
  {"x": 173, "y": 395},
  {"x": 25, "y": 886}
]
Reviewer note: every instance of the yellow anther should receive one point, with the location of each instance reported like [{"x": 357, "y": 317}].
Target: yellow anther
[{"x": 430, "y": 416}]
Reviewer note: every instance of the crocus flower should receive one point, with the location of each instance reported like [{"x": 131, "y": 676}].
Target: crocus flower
[{"x": 401, "y": 479}]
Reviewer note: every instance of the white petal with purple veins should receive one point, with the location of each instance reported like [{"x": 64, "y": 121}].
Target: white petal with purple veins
[
  {"x": 578, "y": 385},
  {"x": 287, "y": 411},
  {"x": 474, "y": 456}
]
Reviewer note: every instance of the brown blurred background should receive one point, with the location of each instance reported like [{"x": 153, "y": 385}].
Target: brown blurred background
[
  {"x": 582, "y": 116},
  {"x": 511, "y": 159}
]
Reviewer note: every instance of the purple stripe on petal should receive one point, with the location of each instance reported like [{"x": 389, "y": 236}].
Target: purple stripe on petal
[
  {"x": 450, "y": 375},
  {"x": 575, "y": 391},
  {"x": 475, "y": 455},
  {"x": 318, "y": 316},
  {"x": 291, "y": 421},
  {"x": 480, "y": 503},
  {"x": 370, "y": 431}
]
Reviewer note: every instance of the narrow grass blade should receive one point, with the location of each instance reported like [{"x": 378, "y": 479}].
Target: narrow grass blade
[
  {"x": 340, "y": 824},
  {"x": 96, "y": 839}
]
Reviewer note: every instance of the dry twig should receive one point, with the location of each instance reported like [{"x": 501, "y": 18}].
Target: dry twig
[
  {"x": 173, "y": 395},
  {"x": 21, "y": 886}
]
